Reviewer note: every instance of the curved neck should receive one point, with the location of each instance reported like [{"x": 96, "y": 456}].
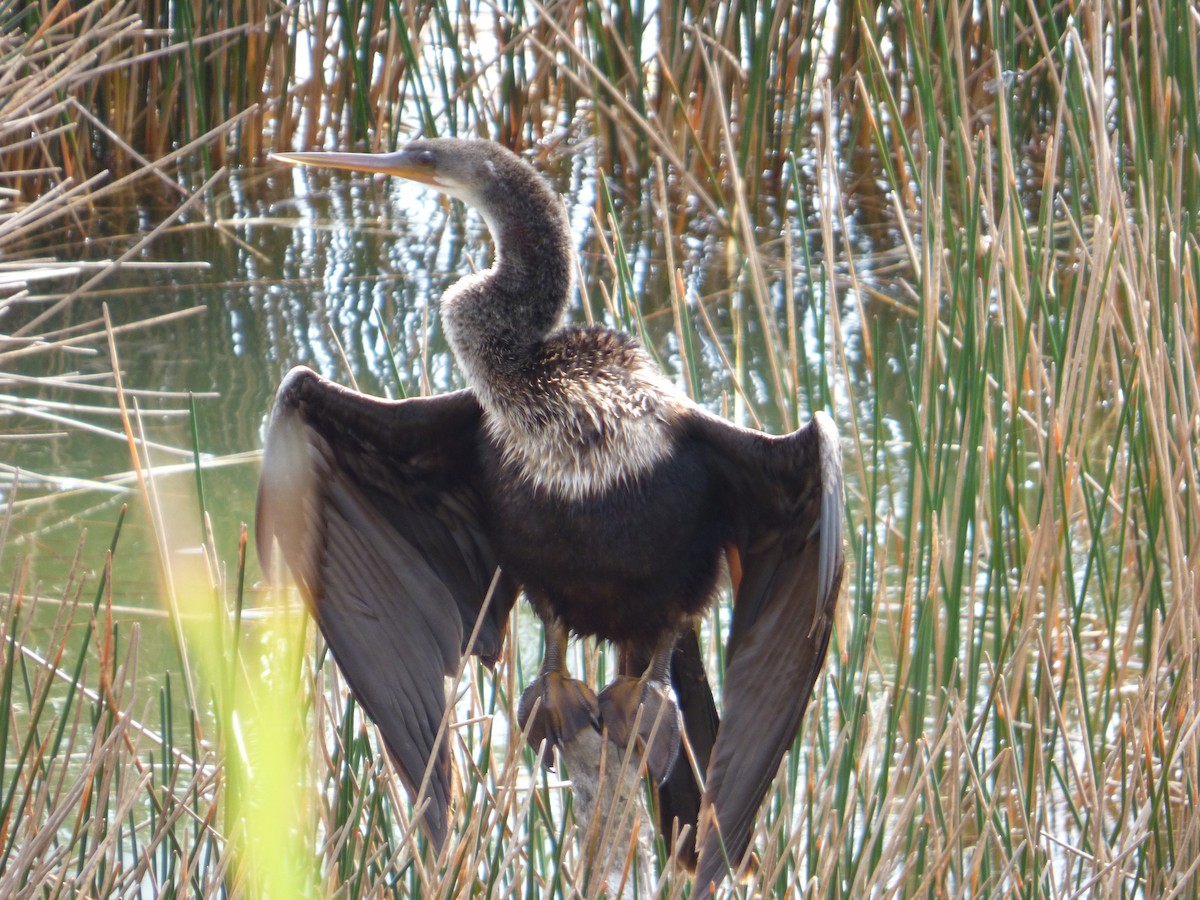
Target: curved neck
[
  {"x": 498, "y": 320},
  {"x": 531, "y": 276}
]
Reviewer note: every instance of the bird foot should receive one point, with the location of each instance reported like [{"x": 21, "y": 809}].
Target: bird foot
[
  {"x": 659, "y": 728},
  {"x": 567, "y": 707}
]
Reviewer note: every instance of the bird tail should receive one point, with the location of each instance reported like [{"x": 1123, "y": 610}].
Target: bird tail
[{"x": 680, "y": 795}]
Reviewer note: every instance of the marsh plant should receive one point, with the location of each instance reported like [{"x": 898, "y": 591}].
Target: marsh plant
[{"x": 967, "y": 232}]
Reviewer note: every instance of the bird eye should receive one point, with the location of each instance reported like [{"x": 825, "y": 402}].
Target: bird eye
[{"x": 425, "y": 158}]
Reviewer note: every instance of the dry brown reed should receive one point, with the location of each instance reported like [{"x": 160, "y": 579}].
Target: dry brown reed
[{"x": 1012, "y": 708}]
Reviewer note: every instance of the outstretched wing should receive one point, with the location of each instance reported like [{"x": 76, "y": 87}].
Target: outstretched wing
[
  {"x": 785, "y": 499},
  {"x": 374, "y": 506}
]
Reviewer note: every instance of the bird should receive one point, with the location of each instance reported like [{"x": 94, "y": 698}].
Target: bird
[{"x": 572, "y": 470}]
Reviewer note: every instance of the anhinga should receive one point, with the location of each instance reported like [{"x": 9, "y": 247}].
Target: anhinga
[{"x": 570, "y": 468}]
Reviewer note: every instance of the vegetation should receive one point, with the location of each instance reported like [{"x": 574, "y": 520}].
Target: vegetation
[{"x": 1012, "y": 704}]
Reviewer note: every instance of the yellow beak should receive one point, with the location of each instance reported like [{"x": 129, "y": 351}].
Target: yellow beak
[{"x": 400, "y": 163}]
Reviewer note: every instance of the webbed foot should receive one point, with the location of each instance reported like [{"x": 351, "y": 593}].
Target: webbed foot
[
  {"x": 657, "y": 731},
  {"x": 566, "y": 707},
  {"x": 555, "y": 707}
]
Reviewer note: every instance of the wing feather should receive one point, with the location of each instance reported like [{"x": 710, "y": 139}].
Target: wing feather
[
  {"x": 374, "y": 506},
  {"x": 785, "y": 500}
]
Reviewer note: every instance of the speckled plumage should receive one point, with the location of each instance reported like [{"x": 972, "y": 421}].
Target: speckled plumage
[{"x": 595, "y": 415}]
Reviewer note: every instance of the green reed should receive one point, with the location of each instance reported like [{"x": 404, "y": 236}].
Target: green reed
[{"x": 1010, "y": 701}]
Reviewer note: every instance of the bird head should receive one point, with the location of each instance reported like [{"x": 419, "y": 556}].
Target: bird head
[{"x": 468, "y": 170}]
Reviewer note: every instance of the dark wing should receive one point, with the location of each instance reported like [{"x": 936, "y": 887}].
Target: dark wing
[
  {"x": 784, "y": 496},
  {"x": 374, "y": 506}
]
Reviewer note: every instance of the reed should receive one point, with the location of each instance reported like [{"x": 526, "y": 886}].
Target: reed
[{"x": 970, "y": 233}]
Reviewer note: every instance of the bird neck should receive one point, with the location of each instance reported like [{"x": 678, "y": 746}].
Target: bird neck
[{"x": 497, "y": 321}]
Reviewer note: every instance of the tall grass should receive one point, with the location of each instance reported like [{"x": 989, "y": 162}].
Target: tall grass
[
  {"x": 1033, "y": 567},
  {"x": 970, "y": 233}
]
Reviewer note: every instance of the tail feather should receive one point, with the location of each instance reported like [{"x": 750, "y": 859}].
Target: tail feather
[{"x": 679, "y": 796}]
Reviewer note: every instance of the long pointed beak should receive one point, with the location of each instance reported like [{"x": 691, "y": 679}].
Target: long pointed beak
[{"x": 400, "y": 163}]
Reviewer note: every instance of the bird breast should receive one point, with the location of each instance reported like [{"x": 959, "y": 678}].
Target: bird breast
[{"x": 585, "y": 422}]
